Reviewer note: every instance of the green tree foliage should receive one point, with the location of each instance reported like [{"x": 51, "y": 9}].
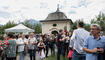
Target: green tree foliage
[
  {"x": 74, "y": 25},
  {"x": 86, "y": 26},
  {"x": 100, "y": 19},
  {"x": 7, "y": 25},
  {"x": 26, "y": 23},
  {"x": 36, "y": 27}
]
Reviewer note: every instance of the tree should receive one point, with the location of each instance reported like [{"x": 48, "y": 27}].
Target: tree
[
  {"x": 86, "y": 26},
  {"x": 7, "y": 25},
  {"x": 74, "y": 25},
  {"x": 100, "y": 19},
  {"x": 37, "y": 28},
  {"x": 26, "y": 23}
]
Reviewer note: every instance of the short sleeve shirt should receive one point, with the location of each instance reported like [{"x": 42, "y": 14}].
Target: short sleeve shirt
[{"x": 11, "y": 50}]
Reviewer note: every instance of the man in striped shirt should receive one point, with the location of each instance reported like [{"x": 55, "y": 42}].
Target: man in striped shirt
[{"x": 76, "y": 41}]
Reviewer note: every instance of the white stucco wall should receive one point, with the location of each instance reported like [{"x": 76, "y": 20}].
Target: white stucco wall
[{"x": 47, "y": 26}]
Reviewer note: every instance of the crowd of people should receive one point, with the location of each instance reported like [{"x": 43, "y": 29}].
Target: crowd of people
[
  {"x": 24, "y": 45},
  {"x": 76, "y": 45}
]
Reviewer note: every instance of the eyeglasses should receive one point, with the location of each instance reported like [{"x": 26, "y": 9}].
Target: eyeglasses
[{"x": 92, "y": 29}]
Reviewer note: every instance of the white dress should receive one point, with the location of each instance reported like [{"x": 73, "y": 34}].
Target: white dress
[{"x": 41, "y": 52}]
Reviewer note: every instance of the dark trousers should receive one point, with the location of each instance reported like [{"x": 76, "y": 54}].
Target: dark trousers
[
  {"x": 77, "y": 56},
  {"x": 70, "y": 58},
  {"x": 60, "y": 51},
  {"x": 12, "y": 58},
  {"x": 47, "y": 49},
  {"x": 66, "y": 48},
  {"x": 101, "y": 56},
  {"x": 3, "y": 57},
  {"x": 32, "y": 54},
  {"x": 53, "y": 50}
]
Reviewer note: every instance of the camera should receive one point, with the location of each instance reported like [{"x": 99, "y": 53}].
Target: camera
[{"x": 98, "y": 48}]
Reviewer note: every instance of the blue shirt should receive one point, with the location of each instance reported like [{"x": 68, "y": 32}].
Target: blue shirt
[{"x": 91, "y": 43}]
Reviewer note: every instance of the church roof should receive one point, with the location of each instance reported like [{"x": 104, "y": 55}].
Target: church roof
[{"x": 56, "y": 15}]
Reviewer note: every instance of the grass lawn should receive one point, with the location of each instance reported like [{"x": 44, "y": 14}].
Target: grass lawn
[{"x": 55, "y": 57}]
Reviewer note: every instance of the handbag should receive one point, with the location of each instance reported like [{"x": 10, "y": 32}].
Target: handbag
[{"x": 70, "y": 54}]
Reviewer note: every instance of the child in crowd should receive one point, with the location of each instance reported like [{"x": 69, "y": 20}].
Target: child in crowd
[{"x": 41, "y": 49}]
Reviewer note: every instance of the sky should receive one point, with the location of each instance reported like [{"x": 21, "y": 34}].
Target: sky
[{"x": 20, "y": 10}]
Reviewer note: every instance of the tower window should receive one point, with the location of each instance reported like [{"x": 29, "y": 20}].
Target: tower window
[{"x": 54, "y": 25}]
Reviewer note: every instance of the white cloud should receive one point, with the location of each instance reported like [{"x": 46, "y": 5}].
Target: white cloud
[
  {"x": 39, "y": 9},
  {"x": 88, "y": 11}
]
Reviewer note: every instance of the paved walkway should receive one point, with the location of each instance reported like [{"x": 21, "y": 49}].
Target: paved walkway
[
  {"x": 37, "y": 56},
  {"x": 27, "y": 57}
]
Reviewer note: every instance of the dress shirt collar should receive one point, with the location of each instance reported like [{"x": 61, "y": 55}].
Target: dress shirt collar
[
  {"x": 80, "y": 28},
  {"x": 95, "y": 38}
]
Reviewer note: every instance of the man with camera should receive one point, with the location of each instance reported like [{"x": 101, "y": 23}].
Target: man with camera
[{"x": 93, "y": 45}]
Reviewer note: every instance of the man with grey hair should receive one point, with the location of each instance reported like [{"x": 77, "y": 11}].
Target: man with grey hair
[
  {"x": 96, "y": 25},
  {"x": 94, "y": 44}
]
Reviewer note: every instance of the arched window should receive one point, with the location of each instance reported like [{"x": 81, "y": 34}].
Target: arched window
[{"x": 54, "y": 25}]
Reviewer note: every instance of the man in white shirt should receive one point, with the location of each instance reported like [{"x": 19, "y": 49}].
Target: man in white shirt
[{"x": 76, "y": 41}]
